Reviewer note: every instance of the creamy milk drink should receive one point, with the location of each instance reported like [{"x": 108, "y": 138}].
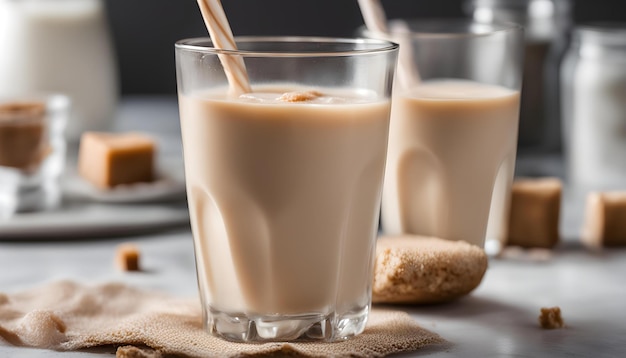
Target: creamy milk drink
[
  {"x": 451, "y": 157},
  {"x": 284, "y": 189}
]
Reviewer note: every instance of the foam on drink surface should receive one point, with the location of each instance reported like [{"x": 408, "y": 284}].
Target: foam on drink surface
[
  {"x": 305, "y": 96},
  {"x": 443, "y": 90}
]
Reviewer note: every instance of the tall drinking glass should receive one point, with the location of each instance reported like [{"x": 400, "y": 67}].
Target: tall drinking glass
[
  {"x": 285, "y": 183},
  {"x": 454, "y": 129}
]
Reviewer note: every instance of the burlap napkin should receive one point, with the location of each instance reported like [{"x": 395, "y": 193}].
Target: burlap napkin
[{"x": 70, "y": 316}]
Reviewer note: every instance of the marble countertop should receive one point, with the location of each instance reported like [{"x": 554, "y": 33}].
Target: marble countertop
[{"x": 499, "y": 319}]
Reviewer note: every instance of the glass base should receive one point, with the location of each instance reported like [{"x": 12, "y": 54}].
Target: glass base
[{"x": 313, "y": 327}]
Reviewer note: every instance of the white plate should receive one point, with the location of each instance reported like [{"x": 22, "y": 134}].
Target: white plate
[
  {"x": 165, "y": 188},
  {"x": 89, "y": 212},
  {"x": 84, "y": 219}
]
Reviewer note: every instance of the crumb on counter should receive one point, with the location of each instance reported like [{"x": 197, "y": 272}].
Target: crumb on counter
[
  {"x": 550, "y": 318},
  {"x": 127, "y": 257},
  {"x": 300, "y": 96}
]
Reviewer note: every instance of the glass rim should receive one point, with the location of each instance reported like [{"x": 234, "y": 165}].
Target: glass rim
[
  {"x": 431, "y": 28},
  {"x": 515, "y": 4},
  {"x": 199, "y": 45},
  {"x": 52, "y": 100},
  {"x": 605, "y": 33},
  {"x": 607, "y": 27}
]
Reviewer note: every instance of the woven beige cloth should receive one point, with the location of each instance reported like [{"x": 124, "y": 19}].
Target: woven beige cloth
[{"x": 70, "y": 316}]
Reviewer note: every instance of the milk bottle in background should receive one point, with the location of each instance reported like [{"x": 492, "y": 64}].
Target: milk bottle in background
[
  {"x": 60, "y": 46},
  {"x": 546, "y": 24}
]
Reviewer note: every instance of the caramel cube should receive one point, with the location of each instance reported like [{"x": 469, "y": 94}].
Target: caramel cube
[
  {"x": 107, "y": 159},
  {"x": 550, "y": 318},
  {"x": 137, "y": 352},
  {"x": 127, "y": 257},
  {"x": 535, "y": 213},
  {"x": 605, "y": 219}
]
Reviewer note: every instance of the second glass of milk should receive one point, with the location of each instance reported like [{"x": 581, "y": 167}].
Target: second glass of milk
[
  {"x": 454, "y": 130},
  {"x": 284, "y": 183}
]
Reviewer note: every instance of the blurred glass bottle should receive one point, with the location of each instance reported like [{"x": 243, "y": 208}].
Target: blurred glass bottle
[
  {"x": 60, "y": 46},
  {"x": 546, "y": 24},
  {"x": 593, "y": 83}
]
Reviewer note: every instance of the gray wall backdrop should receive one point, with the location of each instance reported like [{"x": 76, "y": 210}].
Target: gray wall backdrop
[{"x": 144, "y": 31}]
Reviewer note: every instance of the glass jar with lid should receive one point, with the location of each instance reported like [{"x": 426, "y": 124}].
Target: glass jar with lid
[
  {"x": 546, "y": 24},
  {"x": 593, "y": 82}
]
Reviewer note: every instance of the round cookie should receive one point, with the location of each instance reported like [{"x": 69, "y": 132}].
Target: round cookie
[{"x": 417, "y": 269}]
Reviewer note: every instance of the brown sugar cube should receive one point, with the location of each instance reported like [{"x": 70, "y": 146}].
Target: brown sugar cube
[
  {"x": 550, "y": 318},
  {"x": 107, "y": 159},
  {"x": 23, "y": 141},
  {"x": 422, "y": 270},
  {"x": 535, "y": 212},
  {"x": 136, "y": 352},
  {"x": 127, "y": 257},
  {"x": 605, "y": 219}
]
